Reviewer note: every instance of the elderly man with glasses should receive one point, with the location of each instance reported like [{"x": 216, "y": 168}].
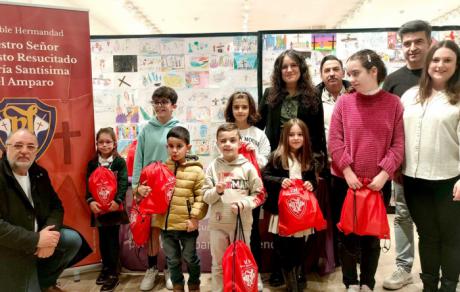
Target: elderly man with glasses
[{"x": 34, "y": 247}]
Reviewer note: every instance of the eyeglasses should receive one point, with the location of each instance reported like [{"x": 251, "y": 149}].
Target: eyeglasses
[
  {"x": 20, "y": 146},
  {"x": 162, "y": 102}
]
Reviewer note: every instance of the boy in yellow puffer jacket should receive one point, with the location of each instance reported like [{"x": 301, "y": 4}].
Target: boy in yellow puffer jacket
[{"x": 180, "y": 224}]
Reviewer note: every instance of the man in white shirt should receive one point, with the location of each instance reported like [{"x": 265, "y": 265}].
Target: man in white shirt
[
  {"x": 332, "y": 85},
  {"x": 34, "y": 247}
]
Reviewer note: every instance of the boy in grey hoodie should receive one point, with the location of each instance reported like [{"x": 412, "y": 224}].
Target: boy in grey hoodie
[
  {"x": 231, "y": 182},
  {"x": 151, "y": 146}
]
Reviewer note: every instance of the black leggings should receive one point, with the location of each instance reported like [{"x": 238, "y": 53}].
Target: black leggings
[{"x": 289, "y": 250}]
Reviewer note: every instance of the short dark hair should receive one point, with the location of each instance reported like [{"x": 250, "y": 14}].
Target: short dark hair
[
  {"x": 179, "y": 133},
  {"x": 253, "y": 116},
  {"x": 329, "y": 58},
  {"x": 415, "y": 26},
  {"x": 368, "y": 59},
  {"x": 227, "y": 127},
  {"x": 165, "y": 92}
]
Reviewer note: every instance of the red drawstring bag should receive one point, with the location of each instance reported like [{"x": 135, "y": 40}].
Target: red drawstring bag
[
  {"x": 249, "y": 155},
  {"x": 239, "y": 267},
  {"x": 298, "y": 210},
  {"x": 162, "y": 181},
  {"x": 139, "y": 224},
  {"x": 364, "y": 213},
  {"x": 130, "y": 157},
  {"x": 102, "y": 185}
]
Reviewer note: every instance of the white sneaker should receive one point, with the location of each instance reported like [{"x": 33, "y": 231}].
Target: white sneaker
[
  {"x": 260, "y": 284},
  {"x": 169, "y": 284},
  {"x": 365, "y": 288},
  {"x": 398, "y": 279},
  {"x": 149, "y": 279},
  {"x": 353, "y": 288}
]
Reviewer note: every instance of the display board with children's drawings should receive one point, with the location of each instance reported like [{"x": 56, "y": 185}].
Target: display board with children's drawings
[
  {"x": 315, "y": 46},
  {"x": 203, "y": 70}
]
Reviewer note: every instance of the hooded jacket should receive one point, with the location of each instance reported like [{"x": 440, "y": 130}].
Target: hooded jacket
[
  {"x": 241, "y": 176},
  {"x": 151, "y": 145},
  {"x": 189, "y": 181}
]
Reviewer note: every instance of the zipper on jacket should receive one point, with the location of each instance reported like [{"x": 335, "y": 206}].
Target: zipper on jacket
[{"x": 176, "y": 165}]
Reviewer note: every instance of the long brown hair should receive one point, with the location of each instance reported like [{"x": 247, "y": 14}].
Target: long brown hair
[
  {"x": 253, "y": 116},
  {"x": 282, "y": 152},
  {"x": 305, "y": 86},
  {"x": 453, "y": 84}
]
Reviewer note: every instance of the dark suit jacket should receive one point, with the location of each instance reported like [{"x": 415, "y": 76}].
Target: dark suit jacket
[{"x": 18, "y": 239}]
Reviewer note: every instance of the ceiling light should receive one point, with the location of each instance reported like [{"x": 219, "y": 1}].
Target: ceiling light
[{"x": 140, "y": 16}]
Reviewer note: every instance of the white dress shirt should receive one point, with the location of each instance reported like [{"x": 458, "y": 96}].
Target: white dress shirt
[{"x": 432, "y": 132}]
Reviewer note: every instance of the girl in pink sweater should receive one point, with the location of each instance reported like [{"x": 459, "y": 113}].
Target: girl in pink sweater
[{"x": 366, "y": 140}]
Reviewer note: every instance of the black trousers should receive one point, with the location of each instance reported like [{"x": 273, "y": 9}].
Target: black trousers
[
  {"x": 353, "y": 249},
  {"x": 109, "y": 246},
  {"x": 437, "y": 218}
]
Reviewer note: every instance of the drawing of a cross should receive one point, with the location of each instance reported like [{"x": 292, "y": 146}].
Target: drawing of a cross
[
  {"x": 66, "y": 135},
  {"x": 122, "y": 80},
  {"x": 243, "y": 64},
  {"x": 4, "y": 125}
]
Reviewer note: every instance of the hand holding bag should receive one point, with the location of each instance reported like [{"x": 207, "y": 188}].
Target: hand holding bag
[
  {"x": 102, "y": 185},
  {"x": 298, "y": 210},
  {"x": 364, "y": 213},
  {"x": 162, "y": 182}
]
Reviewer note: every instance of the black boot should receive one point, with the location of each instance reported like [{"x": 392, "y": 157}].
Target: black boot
[
  {"x": 103, "y": 275},
  {"x": 430, "y": 282},
  {"x": 448, "y": 285},
  {"x": 276, "y": 279},
  {"x": 290, "y": 278},
  {"x": 301, "y": 278},
  {"x": 110, "y": 284}
]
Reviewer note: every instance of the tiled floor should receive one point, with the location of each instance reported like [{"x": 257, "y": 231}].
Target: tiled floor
[{"x": 332, "y": 282}]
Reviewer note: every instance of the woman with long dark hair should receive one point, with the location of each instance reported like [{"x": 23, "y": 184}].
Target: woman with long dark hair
[{"x": 292, "y": 95}]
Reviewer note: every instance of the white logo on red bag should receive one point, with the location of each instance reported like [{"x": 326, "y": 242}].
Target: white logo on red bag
[
  {"x": 103, "y": 192},
  {"x": 169, "y": 186},
  {"x": 248, "y": 272},
  {"x": 296, "y": 206},
  {"x": 133, "y": 217}
]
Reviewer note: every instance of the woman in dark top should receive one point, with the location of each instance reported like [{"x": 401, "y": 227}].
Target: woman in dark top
[{"x": 292, "y": 95}]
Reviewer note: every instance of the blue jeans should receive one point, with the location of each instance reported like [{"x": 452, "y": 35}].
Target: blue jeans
[
  {"x": 178, "y": 245},
  {"x": 404, "y": 231},
  {"x": 49, "y": 269}
]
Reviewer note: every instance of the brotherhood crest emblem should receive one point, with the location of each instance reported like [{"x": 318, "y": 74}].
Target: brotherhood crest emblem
[
  {"x": 249, "y": 274},
  {"x": 29, "y": 113},
  {"x": 296, "y": 206}
]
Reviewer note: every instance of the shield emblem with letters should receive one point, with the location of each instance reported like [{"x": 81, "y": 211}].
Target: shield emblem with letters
[{"x": 29, "y": 113}]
